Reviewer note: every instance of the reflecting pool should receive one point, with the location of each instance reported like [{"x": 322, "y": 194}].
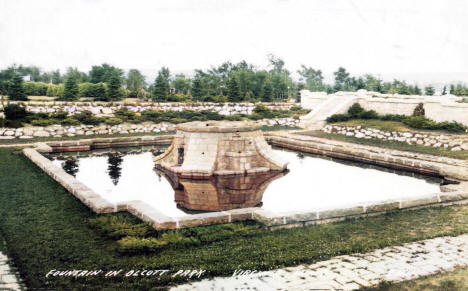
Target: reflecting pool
[{"x": 312, "y": 183}]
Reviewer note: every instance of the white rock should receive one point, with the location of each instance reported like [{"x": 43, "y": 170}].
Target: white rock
[
  {"x": 359, "y": 135},
  {"x": 9, "y": 133},
  {"x": 455, "y": 149},
  {"x": 407, "y": 134},
  {"x": 41, "y": 133}
]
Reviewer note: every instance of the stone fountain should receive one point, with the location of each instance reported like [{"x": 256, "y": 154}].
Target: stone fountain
[{"x": 203, "y": 149}]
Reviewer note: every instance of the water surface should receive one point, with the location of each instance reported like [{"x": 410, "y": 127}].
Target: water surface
[{"x": 312, "y": 183}]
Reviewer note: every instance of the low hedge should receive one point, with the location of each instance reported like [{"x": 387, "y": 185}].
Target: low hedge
[{"x": 20, "y": 116}]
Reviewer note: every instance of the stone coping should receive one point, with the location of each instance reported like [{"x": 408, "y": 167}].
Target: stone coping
[
  {"x": 218, "y": 126},
  {"x": 448, "y": 168}
]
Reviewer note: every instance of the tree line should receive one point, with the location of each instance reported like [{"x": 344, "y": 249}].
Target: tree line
[{"x": 233, "y": 82}]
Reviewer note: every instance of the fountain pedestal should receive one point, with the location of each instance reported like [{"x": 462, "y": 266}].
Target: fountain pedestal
[{"x": 204, "y": 149}]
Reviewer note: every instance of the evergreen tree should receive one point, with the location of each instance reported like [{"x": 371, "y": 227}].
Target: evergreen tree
[
  {"x": 71, "y": 89},
  {"x": 197, "y": 90},
  {"x": 56, "y": 78},
  {"x": 233, "y": 90},
  {"x": 161, "y": 85},
  {"x": 342, "y": 79},
  {"x": 16, "y": 89},
  {"x": 444, "y": 91},
  {"x": 429, "y": 90},
  {"x": 452, "y": 89},
  {"x": 267, "y": 92},
  {"x": 135, "y": 83},
  {"x": 113, "y": 89},
  {"x": 417, "y": 90}
]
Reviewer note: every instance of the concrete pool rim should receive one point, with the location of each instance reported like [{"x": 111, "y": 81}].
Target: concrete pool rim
[{"x": 450, "y": 169}]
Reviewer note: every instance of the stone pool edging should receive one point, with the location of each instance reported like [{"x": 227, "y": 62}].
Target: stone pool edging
[{"x": 449, "y": 195}]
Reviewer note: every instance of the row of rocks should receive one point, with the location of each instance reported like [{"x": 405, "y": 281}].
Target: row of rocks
[
  {"x": 108, "y": 109},
  {"x": 124, "y": 128},
  {"x": 452, "y": 142}
]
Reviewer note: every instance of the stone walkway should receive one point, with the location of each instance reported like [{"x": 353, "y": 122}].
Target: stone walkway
[
  {"x": 350, "y": 272},
  {"x": 8, "y": 280}
]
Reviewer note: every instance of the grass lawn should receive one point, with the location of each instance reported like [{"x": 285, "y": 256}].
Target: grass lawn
[
  {"x": 451, "y": 281},
  {"x": 46, "y": 228},
  {"x": 388, "y": 126},
  {"x": 402, "y": 146}
]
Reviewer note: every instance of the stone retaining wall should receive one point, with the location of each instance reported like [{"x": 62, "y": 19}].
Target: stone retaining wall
[
  {"x": 438, "y": 108},
  {"x": 108, "y": 108},
  {"x": 125, "y": 128},
  {"x": 448, "y": 141},
  {"x": 451, "y": 169}
]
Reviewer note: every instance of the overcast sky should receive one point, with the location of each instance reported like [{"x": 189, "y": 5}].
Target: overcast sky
[{"x": 408, "y": 39}]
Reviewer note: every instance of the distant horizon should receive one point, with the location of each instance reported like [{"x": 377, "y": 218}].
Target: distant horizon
[{"x": 419, "y": 41}]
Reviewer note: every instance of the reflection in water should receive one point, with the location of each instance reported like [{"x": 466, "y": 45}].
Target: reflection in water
[
  {"x": 70, "y": 166},
  {"x": 312, "y": 183},
  {"x": 220, "y": 192},
  {"x": 114, "y": 169}
]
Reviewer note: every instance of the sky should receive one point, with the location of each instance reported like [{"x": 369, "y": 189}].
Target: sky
[{"x": 416, "y": 40}]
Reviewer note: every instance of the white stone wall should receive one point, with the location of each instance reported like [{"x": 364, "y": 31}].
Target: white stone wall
[
  {"x": 125, "y": 128},
  {"x": 438, "y": 108}
]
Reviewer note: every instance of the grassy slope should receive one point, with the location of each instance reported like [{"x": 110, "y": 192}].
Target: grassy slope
[
  {"x": 392, "y": 145},
  {"x": 46, "y": 228}
]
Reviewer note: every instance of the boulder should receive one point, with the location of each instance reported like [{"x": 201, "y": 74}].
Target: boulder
[{"x": 41, "y": 133}]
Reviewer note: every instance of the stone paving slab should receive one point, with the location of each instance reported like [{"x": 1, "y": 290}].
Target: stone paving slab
[
  {"x": 8, "y": 279},
  {"x": 350, "y": 272}
]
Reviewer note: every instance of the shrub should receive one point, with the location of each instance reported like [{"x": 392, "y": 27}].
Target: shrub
[
  {"x": 14, "y": 112},
  {"x": 59, "y": 115},
  {"x": 70, "y": 121},
  {"x": 35, "y": 88},
  {"x": 87, "y": 117},
  {"x": 355, "y": 110},
  {"x": 370, "y": 114},
  {"x": 451, "y": 126},
  {"x": 44, "y": 122},
  {"x": 263, "y": 111},
  {"x": 133, "y": 245},
  {"x": 392, "y": 117},
  {"x": 125, "y": 114},
  {"x": 419, "y": 122},
  {"x": 113, "y": 121},
  {"x": 119, "y": 226},
  {"x": 338, "y": 118}
]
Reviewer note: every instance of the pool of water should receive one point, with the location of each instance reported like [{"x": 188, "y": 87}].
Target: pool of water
[{"x": 312, "y": 183}]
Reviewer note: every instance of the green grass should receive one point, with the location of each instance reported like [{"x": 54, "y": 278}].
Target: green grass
[
  {"x": 450, "y": 281},
  {"x": 46, "y": 228},
  {"x": 402, "y": 146}
]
